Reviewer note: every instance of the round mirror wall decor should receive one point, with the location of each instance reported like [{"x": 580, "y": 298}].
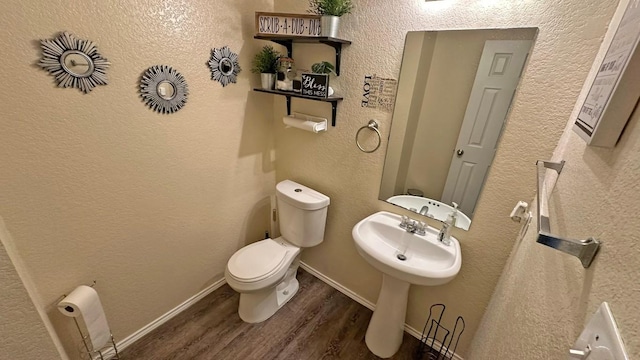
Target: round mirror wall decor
[
  {"x": 163, "y": 89},
  {"x": 224, "y": 65},
  {"x": 74, "y": 62}
]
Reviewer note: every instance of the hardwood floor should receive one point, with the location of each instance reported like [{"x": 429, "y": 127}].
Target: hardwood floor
[{"x": 318, "y": 323}]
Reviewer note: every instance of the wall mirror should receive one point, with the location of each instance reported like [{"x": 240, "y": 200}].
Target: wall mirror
[
  {"x": 163, "y": 89},
  {"x": 224, "y": 65},
  {"x": 454, "y": 94},
  {"x": 74, "y": 62},
  {"x": 166, "y": 90}
]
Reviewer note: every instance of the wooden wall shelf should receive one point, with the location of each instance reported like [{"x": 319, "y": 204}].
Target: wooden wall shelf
[
  {"x": 288, "y": 94},
  {"x": 288, "y": 41}
]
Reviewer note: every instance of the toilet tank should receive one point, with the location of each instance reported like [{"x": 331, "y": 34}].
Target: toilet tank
[{"x": 302, "y": 213}]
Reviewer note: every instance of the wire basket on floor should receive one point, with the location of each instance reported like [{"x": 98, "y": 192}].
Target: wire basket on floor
[{"x": 436, "y": 341}]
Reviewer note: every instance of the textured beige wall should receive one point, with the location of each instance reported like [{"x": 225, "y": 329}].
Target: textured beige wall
[
  {"x": 570, "y": 33},
  {"x": 544, "y": 298},
  {"x": 100, "y": 187},
  {"x": 23, "y": 334}
]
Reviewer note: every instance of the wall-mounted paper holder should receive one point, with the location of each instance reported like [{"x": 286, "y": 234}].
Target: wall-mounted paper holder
[
  {"x": 585, "y": 250},
  {"x": 306, "y": 122}
]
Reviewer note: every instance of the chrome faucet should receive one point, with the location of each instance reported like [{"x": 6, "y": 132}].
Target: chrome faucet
[
  {"x": 413, "y": 226},
  {"x": 443, "y": 235},
  {"x": 424, "y": 210}
]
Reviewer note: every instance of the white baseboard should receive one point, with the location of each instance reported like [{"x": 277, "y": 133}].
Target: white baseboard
[
  {"x": 110, "y": 353},
  {"x": 355, "y": 297},
  {"x": 362, "y": 301}
]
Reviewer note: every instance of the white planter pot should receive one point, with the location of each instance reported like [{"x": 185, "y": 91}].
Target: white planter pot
[
  {"x": 329, "y": 25},
  {"x": 268, "y": 81}
]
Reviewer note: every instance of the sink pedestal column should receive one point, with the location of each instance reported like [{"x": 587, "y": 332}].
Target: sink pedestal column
[{"x": 386, "y": 328}]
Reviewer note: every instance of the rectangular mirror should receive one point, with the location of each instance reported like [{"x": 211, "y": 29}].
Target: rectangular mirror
[{"x": 455, "y": 91}]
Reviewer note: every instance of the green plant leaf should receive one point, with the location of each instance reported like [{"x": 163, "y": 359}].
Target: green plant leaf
[
  {"x": 331, "y": 7},
  {"x": 323, "y": 67},
  {"x": 266, "y": 61}
]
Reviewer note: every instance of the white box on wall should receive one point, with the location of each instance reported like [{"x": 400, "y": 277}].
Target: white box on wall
[{"x": 615, "y": 90}]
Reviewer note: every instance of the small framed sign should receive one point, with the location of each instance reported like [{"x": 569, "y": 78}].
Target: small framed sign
[
  {"x": 315, "y": 85},
  {"x": 615, "y": 90},
  {"x": 287, "y": 24}
]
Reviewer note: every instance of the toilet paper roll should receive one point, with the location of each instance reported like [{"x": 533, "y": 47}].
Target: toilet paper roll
[
  {"x": 84, "y": 303},
  {"x": 307, "y": 125}
]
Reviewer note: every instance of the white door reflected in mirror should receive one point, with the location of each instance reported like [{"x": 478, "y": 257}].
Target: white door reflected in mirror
[{"x": 493, "y": 89}]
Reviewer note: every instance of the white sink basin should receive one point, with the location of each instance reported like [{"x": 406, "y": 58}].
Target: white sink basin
[
  {"x": 404, "y": 258},
  {"x": 428, "y": 262}
]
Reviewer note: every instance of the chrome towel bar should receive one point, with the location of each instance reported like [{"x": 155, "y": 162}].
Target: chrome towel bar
[{"x": 585, "y": 250}]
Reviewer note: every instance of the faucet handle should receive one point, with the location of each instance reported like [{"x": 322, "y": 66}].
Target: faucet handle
[
  {"x": 421, "y": 227},
  {"x": 405, "y": 222}
]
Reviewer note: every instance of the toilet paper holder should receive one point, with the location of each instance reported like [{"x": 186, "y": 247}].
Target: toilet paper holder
[
  {"x": 436, "y": 341},
  {"x": 111, "y": 352},
  {"x": 306, "y": 122}
]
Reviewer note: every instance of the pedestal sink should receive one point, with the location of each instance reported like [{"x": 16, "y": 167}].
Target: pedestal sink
[{"x": 404, "y": 258}]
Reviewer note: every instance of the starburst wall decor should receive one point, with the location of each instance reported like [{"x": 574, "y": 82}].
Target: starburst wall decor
[
  {"x": 224, "y": 65},
  {"x": 163, "y": 89},
  {"x": 74, "y": 62}
]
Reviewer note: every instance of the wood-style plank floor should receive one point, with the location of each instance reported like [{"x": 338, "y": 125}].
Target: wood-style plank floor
[{"x": 318, "y": 323}]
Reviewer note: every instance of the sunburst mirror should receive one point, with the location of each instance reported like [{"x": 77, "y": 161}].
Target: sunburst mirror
[
  {"x": 224, "y": 65},
  {"x": 163, "y": 89},
  {"x": 74, "y": 62}
]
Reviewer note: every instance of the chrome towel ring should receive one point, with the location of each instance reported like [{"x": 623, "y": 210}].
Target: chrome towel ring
[{"x": 373, "y": 126}]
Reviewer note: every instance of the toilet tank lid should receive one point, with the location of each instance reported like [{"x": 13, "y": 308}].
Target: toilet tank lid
[{"x": 301, "y": 196}]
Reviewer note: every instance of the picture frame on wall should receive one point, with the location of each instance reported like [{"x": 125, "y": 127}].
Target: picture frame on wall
[{"x": 615, "y": 90}]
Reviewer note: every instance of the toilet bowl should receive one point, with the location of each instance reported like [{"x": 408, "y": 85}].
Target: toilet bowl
[{"x": 264, "y": 272}]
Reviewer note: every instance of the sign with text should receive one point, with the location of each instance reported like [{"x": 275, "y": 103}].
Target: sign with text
[
  {"x": 606, "y": 110},
  {"x": 287, "y": 24},
  {"x": 379, "y": 93},
  {"x": 315, "y": 85}
]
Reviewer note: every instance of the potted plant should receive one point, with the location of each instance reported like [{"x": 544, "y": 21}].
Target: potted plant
[
  {"x": 324, "y": 67},
  {"x": 331, "y": 11},
  {"x": 265, "y": 63}
]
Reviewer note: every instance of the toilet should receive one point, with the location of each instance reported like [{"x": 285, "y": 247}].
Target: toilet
[{"x": 264, "y": 273}]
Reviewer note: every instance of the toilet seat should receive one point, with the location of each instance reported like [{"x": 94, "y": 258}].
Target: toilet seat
[
  {"x": 260, "y": 264},
  {"x": 256, "y": 261}
]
